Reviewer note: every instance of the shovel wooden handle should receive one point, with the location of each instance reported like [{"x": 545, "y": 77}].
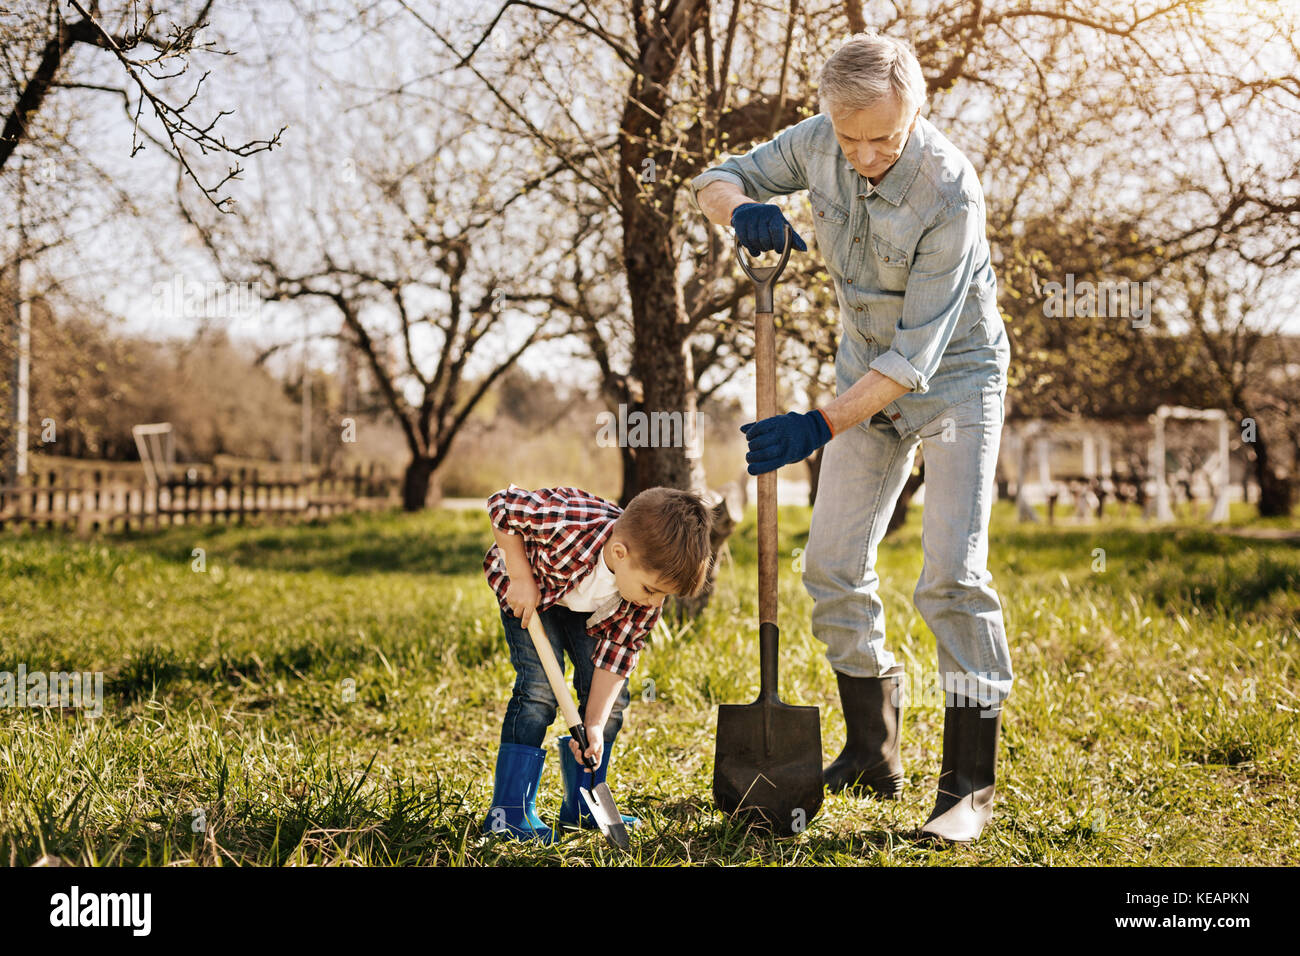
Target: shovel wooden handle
[
  {"x": 765, "y": 355},
  {"x": 598, "y": 800},
  {"x": 765, "y": 361},
  {"x": 555, "y": 676}
]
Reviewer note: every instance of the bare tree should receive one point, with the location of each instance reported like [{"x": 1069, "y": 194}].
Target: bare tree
[
  {"x": 38, "y": 55},
  {"x": 1233, "y": 316},
  {"x": 428, "y": 250}
]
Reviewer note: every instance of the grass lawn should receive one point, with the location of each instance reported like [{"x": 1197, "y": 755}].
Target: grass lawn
[{"x": 332, "y": 694}]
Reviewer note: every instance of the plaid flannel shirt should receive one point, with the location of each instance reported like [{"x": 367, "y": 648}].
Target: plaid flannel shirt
[{"x": 564, "y": 530}]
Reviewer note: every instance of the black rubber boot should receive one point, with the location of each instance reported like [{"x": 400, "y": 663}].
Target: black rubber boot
[
  {"x": 966, "y": 779},
  {"x": 870, "y": 764}
]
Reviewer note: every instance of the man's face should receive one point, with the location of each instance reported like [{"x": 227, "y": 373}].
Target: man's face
[{"x": 872, "y": 139}]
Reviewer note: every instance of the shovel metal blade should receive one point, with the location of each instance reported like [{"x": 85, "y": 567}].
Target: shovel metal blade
[
  {"x": 605, "y": 812},
  {"x": 767, "y": 765}
]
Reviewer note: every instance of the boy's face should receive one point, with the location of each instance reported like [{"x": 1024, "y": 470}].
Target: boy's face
[{"x": 635, "y": 584}]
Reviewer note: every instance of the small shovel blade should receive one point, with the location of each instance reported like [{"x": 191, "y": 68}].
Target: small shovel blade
[{"x": 605, "y": 812}]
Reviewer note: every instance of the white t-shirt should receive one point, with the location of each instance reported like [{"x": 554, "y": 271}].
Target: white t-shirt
[{"x": 594, "y": 591}]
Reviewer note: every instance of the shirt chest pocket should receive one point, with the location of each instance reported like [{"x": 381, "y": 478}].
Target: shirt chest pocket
[
  {"x": 829, "y": 218},
  {"x": 891, "y": 264}
]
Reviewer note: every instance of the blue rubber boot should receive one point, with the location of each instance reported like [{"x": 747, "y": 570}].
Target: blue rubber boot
[
  {"x": 574, "y": 812},
  {"x": 514, "y": 795}
]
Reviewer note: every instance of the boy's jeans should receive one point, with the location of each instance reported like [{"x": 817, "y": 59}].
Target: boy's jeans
[
  {"x": 532, "y": 704},
  {"x": 862, "y": 474}
]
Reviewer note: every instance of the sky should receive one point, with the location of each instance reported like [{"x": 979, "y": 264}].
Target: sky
[{"x": 119, "y": 264}]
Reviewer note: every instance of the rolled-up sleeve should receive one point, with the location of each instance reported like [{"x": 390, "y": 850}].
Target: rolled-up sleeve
[
  {"x": 619, "y": 639},
  {"x": 774, "y": 168},
  {"x": 937, "y": 286},
  {"x": 616, "y": 658},
  {"x": 535, "y": 516}
]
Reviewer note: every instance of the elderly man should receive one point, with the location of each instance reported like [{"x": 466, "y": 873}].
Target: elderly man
[{"x": 922, "y": 360}]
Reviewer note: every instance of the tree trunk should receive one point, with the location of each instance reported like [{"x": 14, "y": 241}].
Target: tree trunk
[
  {"x": 415, "y": 483},
  {"x": 648, "y": 191},
  {"x": 728, "y": 508},
  {"x": 659, "y": 361},
  {"x": 1276, "y": 493},
  {"x": 628, "y": 457},
  {"x": 647, "y": 198}
]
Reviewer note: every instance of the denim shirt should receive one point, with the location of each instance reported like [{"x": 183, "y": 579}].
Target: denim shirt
[{"x": 909, "y": 256}]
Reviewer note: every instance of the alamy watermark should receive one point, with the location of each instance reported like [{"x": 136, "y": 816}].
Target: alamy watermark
[
  {"x": 195, "y": 299},
  {"x": 1110, "y": 300},
  {"x": 76, "y": 908},
  {"x": 954, "y": 689},
  {"x": 640, "y": 429},
  {"x": 80, "y": 689}
]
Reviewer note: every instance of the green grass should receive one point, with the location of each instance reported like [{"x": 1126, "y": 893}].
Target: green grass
[{"x": 1153, "y": 719}]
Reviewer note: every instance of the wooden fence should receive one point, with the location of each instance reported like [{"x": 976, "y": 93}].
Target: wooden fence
[{"x": 93, "y": 502}]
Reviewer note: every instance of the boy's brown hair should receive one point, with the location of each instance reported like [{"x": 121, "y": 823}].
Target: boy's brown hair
[{"x": 667, "y": 532}]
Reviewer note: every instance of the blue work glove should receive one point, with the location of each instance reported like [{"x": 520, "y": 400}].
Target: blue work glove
[
  {"x": 760, "y": 227},
  {"x": 784, "y": 439}
]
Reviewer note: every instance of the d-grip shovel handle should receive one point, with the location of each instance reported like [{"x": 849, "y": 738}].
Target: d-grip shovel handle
[
  {"x": 765, "y": 359},
  {"x": 765, "y": 276},
  {"x": 555, "y": 677}
]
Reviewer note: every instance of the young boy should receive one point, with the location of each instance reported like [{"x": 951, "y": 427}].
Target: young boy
[{"x": 597, "y": 575}]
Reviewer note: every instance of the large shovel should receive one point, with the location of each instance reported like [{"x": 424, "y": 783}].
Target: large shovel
[{"x": 767, "y": 768}]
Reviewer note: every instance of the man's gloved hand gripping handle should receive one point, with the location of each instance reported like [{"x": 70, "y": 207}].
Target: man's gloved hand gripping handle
[
  {"x": 785, "y": 439},
  {"x": 760, "y": 227}
]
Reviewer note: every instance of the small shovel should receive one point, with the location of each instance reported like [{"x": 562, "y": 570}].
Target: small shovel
[
  {"x": 599, "y": 800},
  {"x": 768, "y": 763}
]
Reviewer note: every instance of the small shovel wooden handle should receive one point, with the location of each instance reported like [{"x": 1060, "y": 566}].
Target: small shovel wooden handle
[
  {"x": 599, "y": 800},
  {"x": 555, "y": 676}
]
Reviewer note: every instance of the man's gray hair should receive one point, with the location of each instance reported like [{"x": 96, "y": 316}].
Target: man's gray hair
[{"x": 867, "y": 68}]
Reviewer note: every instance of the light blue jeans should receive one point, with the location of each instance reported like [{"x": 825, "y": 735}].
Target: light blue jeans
[{"x": 862, "y": 474}]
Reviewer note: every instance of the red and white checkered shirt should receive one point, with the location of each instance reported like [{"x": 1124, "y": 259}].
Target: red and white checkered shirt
[{"x": 564, "y": 530}]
